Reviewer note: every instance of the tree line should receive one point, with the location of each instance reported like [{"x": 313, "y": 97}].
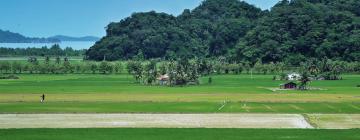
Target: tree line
[
  {"x": 59, "y": 66},
  {"x": 180, "y": 72},
  {"x": 54, "y": 50}
]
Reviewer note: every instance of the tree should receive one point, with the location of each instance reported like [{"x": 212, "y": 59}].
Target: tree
[
  {"x": 58, "y": 60},
  {"x": 105, "y": 67},
  {"x": 162, "y": 68},
  {"x": 304, "y": 80},
  {"x": 16, "y": 67},
  {"x": 280, "y": 67},
  {"x": 135, "y": 68},
  {"x": 258, "y": 66},
  {"x": 78, "y": 67},
  {"x": 47, "y": 60},
  {"x": 118, "y": 67},
  {"x": 93, "y": 67},
  {"x": 56, "y": 50},
  {"x": 150, "y": 73},
  {"x": 172, "y": 73},
  {"x": 68, "y": 68},
  {"x": 5, "y": 66}
]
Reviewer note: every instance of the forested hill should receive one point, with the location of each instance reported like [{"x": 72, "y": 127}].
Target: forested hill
[
  {"x": 10, "y": 37},
  {"x": 290, "y": 32}
]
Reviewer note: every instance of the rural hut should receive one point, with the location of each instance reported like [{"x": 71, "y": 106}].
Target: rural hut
[
  {"x": 290, "y": 85},
  {"x": 293, "y": 76},
  {"x": 163, "y": 79}
]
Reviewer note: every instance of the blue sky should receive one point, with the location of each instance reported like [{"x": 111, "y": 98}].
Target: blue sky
[{"x": 44, "y": 18}]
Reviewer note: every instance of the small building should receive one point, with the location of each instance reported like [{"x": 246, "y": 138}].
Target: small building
[
  {"x": 293, "y": 77},
  {"x": 290, "y": 85},
  {"x": 163, "y": 79}
]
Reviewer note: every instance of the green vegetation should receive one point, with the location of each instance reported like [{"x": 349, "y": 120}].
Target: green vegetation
[
  {"x": 54, "y": 50},
  {"x": 224, "y": 56},
  {"x": 88, "y": 93},
  {"x": 181, "y": 134},
  {"x": 222, "y": 84},
  {"x": 292, "y": 32},
  {"x": 176, "y": 107}
]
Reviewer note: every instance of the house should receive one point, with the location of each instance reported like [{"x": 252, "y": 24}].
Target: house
[
  {"x": 163, "y": 79},
  {"x": 290, "y": 85},
  {"x": 293, "y": 76}
]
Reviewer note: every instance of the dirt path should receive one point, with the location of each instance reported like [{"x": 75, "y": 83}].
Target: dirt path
[{"x": 153, "y": 121}]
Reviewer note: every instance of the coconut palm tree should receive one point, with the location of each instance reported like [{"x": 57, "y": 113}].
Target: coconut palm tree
[{"x": 304, "y": 80}]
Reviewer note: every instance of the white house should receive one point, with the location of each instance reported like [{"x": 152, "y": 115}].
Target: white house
[
  {"x": 294, "y": 76},
  {"x": 163, "y": 79}
]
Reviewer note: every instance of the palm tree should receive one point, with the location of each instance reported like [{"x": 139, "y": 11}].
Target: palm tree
[{"x": 304, "y": 80}]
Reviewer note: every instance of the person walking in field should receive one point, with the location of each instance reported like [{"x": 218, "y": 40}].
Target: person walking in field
[{"x": 42, "y": 98}]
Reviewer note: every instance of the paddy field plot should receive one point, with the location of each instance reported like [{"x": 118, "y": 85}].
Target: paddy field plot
[
  {"x": 153, "y": 121},
  {"x": 119, "y": 84},
  {"x": 335, "y": 121},
  {"x": 177, "y": 107},
  {"x": 178, "y": 134},
  {"x": 71, "y": 98},
  {"x": 86, "y": 93}
]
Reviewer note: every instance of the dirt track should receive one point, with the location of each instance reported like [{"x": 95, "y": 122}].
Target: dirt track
[{"x": 153, "y": 121}]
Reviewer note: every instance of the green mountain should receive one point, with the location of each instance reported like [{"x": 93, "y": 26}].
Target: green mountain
[
  {"x": 10, "y": 37},
  {"x": 291, "y": 32},
  {"x": 69, "y": 38},
  {"x": 302, "y": 29}
]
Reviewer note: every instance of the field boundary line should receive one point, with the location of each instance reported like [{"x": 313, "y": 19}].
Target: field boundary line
[{"x": 223, "y": 105}]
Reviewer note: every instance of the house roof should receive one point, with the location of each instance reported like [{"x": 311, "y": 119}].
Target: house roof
[
  {"x": 289, "y": 83},
  {"x": 163, "y": 77}
]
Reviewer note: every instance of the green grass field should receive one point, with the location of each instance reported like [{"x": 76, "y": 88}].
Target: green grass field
[
  {"x": 99, "y": 84},
  {"x": 85, "y": 93},
  {"x": 119, "y": 94},
  {"x": 178, "y": 107},
  {"x": 179, "y": 134}
]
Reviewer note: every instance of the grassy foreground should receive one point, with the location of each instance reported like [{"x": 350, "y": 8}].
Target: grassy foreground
[{"x": 179, "y": 134}]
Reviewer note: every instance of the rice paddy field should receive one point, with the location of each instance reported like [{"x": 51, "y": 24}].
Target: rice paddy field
[
  {"x": 228, "y": 93},
  {"x": 333, "y": 108},
  {"x": 178, "y": 134}
]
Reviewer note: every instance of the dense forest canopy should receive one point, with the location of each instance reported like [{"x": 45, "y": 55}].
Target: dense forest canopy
[{"x": 290, "y": 32}]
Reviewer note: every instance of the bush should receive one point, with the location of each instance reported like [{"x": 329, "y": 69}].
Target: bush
[{"x": 9, "y": 77}]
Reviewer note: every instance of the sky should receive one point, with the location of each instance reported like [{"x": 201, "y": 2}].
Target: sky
[{"x": 45, "y": 18}]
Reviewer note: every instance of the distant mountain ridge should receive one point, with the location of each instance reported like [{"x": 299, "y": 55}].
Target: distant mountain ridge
[
  {"x": 69, "y": 38},
  {"x": 10, "y": 37}
]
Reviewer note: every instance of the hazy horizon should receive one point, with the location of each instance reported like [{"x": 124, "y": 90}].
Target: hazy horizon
[{"x": 42, "y": 18}]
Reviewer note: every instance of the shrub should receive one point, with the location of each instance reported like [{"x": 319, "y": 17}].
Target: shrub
[{"x": 9, "y": 77}]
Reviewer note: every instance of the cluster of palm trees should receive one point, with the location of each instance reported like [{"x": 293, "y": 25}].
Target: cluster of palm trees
[
  {"x": 325, "y": 69},
  {"x": 182, "y": 72}
]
